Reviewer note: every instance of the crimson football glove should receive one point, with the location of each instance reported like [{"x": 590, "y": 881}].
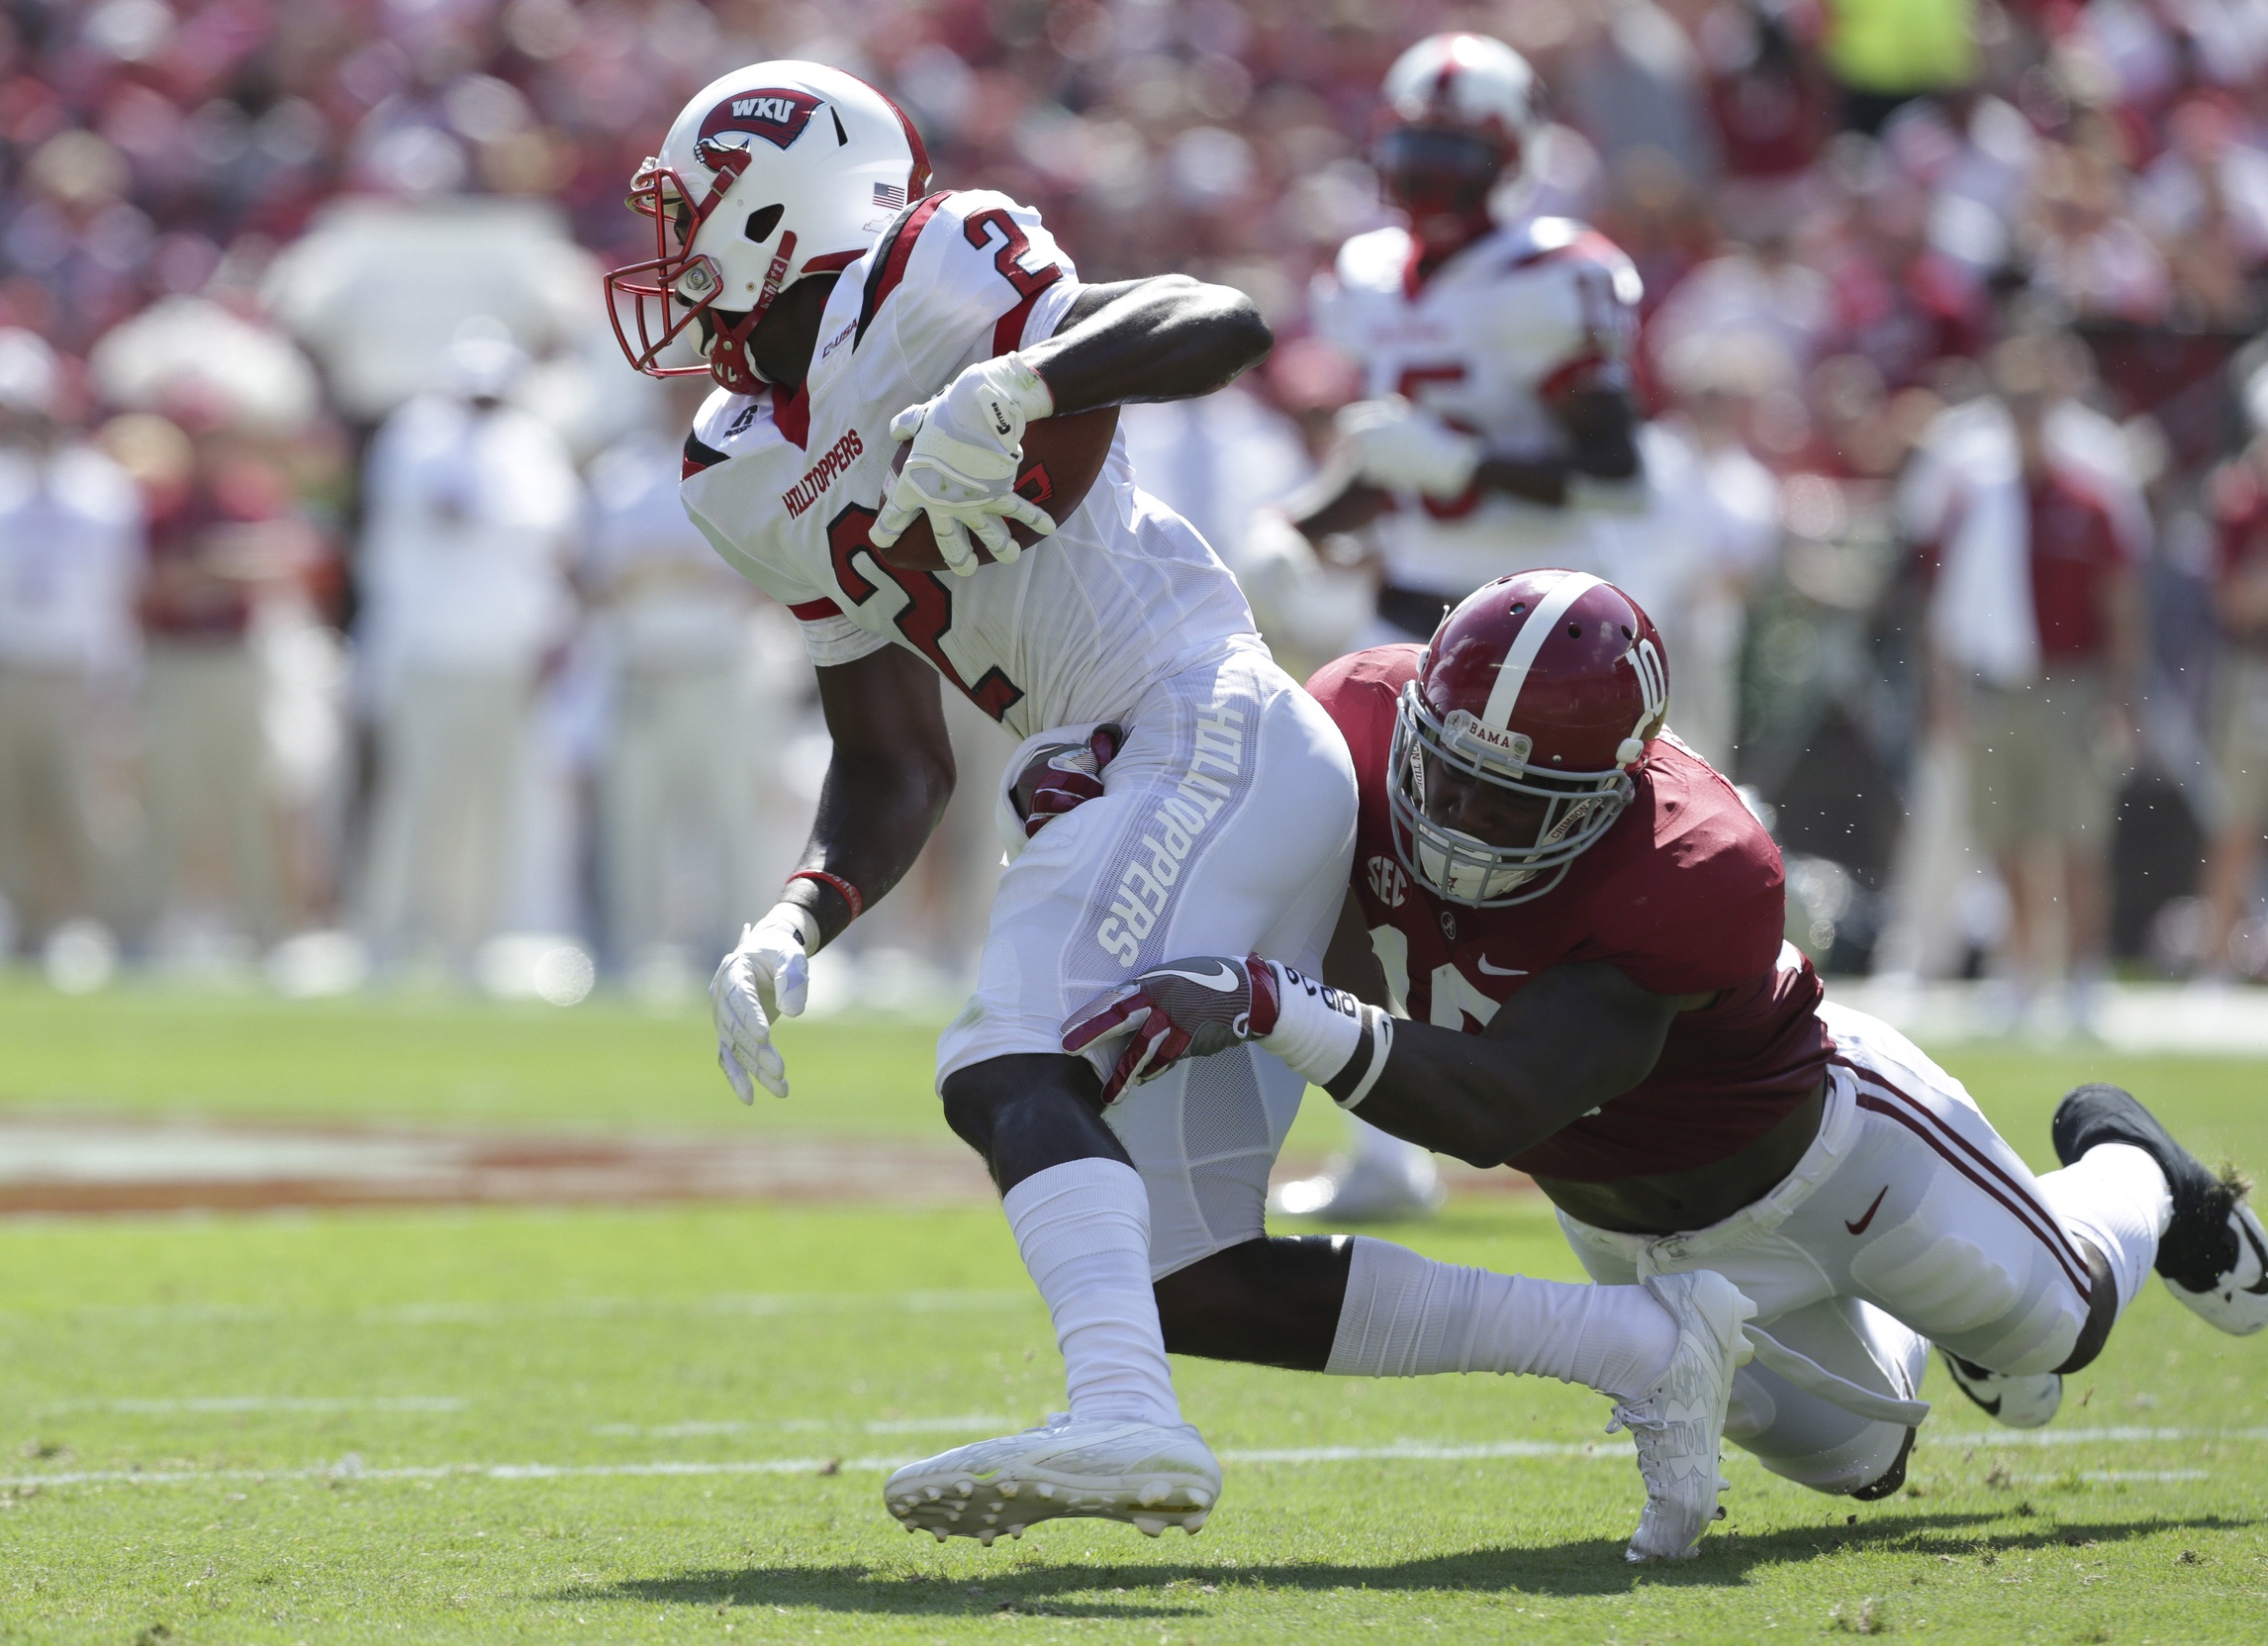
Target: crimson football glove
[
  {"x": 1184, "y": 1008},
  {"x": 1062, "y": 777}
]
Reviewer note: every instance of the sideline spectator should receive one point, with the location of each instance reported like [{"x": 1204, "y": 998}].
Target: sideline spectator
[
  {"x": 70, "y": 556},
  {"x": 2239, "y": 497},
  {"x": 220, "y": 535},
  {"x": 472, "y": 504},
  {"x": 2036, "y": 625},
  {"x": 677, "y": 781},
  {"x": 1710, "y": 530}
]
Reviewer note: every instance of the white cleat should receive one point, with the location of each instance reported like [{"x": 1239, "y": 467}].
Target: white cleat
[
  {"x": 1679, "y": 1428},
  {"x": 2236, "y": 1301},
  {"x": 1401, "y": 1188},
  {"x": 2022, "y": 1401},
  {"x": 1149, "y": 1474}
]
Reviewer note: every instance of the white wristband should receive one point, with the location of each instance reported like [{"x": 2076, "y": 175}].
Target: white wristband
[{"x": 1317, "y": 1028}]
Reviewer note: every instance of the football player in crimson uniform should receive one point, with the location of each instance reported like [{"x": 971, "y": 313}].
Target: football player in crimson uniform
[
  {"x": 1498, "y": 424},
  {"x": 1582, "y": 921},
  {"x": 803, "y": 262}
]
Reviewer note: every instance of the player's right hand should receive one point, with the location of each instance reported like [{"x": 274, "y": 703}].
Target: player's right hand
[
  {"x": 760, "y": 982},
  {"x": 1403, "y": 447},
  {"x": 1190, "y": 1007},
  {"x": 961, "y": 469}
]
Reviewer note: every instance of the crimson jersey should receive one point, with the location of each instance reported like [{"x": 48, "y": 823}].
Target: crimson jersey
[{"x": 1684, "y": 896}]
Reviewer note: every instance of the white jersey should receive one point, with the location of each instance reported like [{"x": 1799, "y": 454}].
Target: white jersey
[
  {"x": 786, "y": 486},
  {"x": 1532, "y": 313}
]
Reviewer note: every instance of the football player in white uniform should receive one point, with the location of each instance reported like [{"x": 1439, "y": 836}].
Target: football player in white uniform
[
  {"x": 1498, "y": 422},
  {"x": 799, "y": 262},
  {"x": 1495, "y": 355}
]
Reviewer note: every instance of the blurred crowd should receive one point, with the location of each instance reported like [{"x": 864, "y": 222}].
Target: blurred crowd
[{"x": 348, "y": 625}]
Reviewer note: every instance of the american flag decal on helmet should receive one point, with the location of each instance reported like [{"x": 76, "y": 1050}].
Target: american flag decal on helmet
[{"x": 890, "y": 197}]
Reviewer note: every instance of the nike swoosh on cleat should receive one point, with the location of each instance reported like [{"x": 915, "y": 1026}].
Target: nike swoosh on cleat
[
  {"x": 1499, "y": 971},
  {"x": 1859, "y": 1227},
  {"x": 1224, "y": 982}
]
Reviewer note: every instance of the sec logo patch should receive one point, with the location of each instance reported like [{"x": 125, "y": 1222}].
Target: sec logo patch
[{"x": 1388, "y": 882}]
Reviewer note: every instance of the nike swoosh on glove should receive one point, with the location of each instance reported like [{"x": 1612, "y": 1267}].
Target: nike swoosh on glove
[
  {"x": 962, "y": 467},
  {"x": 760, "y": 982},
  {"x": 1065, "y": 776},
  {"x": 1189, "y": 1008},
  {"x": 1403, "y": 447}
]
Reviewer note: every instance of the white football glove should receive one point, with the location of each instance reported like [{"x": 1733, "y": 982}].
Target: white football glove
[
  {"x": 962, "y": 471},
  {"x": 1403, "y": 448},
  {"x": 760, "y": 982}
]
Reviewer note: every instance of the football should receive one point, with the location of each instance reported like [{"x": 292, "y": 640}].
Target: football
[{"x": 1062, "y": 457}]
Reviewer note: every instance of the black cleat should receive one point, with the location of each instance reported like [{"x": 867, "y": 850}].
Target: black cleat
[{"x": 2214, "y": 1254}]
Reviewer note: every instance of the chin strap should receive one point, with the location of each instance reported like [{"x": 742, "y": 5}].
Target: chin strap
[{"x": 728, "y": 360}]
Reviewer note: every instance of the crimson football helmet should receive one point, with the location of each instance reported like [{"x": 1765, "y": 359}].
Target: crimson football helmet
[
  {"x": 772, "y": 173},
  {"x": 1542, "y": 689},
  {"x": 1457, "y": 113}
]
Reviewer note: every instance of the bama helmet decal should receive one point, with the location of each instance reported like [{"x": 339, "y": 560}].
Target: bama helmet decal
[{"x": 777, "y": 114}]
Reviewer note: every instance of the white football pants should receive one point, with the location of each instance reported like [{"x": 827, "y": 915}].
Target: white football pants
[
  {"x": 1908, "y": 1222},
  {"x": 1226, "y": 826}
]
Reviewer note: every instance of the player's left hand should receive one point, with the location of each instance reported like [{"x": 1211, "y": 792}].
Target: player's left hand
[
  {"x": 962, "y": 467},
  {"x": 1404, "y": 448},
  {"x": 760, "y": 982},
  {"x": 1190, "y": 1007},
  {"x": 1062, "y": 777}
]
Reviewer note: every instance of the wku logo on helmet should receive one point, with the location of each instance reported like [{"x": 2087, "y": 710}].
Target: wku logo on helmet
[{"x": 777, "y": 114}]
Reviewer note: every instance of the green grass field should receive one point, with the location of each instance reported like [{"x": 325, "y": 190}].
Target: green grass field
[{"x": 670, "y": 1425}]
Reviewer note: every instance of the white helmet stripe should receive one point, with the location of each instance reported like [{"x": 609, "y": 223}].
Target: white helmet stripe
[{"x": 1512, "y": 674}]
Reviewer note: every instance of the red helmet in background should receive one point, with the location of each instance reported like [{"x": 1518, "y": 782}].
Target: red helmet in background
[{"x": 1545, "y": 685}]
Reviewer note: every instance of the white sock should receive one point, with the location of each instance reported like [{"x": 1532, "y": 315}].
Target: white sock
[
  {"x": 1083, "y": 1228},
  {"x": 1406, "y": 1316},
  {"x": 2115, "y": 1198}
]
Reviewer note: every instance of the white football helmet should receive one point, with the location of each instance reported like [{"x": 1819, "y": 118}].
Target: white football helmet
[
  {"x": 1458, "y": 113},
  {"x": 772, "y": 173}
]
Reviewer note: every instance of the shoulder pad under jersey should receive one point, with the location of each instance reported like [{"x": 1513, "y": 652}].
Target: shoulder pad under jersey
[{"x": 1544, "y": 239}]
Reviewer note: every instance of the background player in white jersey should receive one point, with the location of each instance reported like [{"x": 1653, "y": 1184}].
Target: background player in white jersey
[
  {"x": 1498, "y": 424},
  {"x": 837, "y": 318},
  {"x": 1494, "y": 344}
]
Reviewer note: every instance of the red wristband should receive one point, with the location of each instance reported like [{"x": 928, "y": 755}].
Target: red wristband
[{"x": 850, "y": 893}]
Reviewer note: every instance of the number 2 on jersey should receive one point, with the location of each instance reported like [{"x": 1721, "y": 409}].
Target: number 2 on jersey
[
  {"x": 928, "y": 611},
  {"x": 1009, "y": 258}
]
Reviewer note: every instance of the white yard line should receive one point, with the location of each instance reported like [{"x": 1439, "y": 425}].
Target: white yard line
[
  {"x": 270, "y": 1403},
  {"x": 2085, "y": 1437},
  {"x": 351, "y": 1468},
  {"x": 756, "y": 1304},
  {"x": 981, "y": 1422}
]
